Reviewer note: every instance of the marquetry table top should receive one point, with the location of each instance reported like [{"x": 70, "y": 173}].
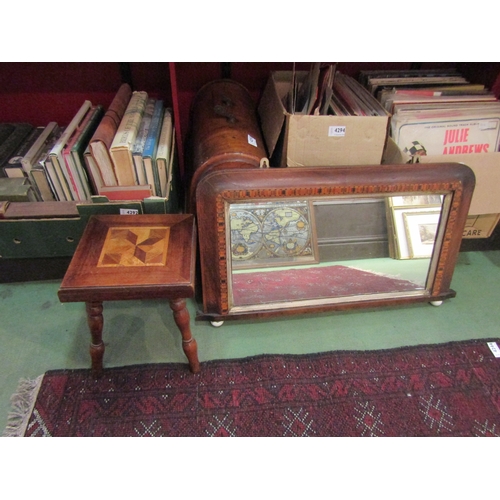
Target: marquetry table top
[{"x": 133, "y": 257}]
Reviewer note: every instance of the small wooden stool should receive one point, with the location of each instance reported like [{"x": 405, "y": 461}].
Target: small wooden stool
[{"x": 124, "y": 257}]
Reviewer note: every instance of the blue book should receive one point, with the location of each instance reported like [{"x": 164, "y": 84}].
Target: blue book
[{"x": 150, "y": 147}]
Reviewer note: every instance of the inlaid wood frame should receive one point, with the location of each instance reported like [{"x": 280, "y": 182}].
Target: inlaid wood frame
[{"x": 217, "y": 190}]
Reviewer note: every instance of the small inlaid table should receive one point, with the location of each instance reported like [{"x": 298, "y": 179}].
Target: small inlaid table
[{"x": 134, "y": 257}]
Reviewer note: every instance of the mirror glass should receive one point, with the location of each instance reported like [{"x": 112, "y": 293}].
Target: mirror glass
[{"x": 313, "y": 251}]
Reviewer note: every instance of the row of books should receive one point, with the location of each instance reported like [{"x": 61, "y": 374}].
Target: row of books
[
  {"x": 23, "y": 151},
  {"x": 436, "y": 112},
  {"x": 125, "y": 153}
]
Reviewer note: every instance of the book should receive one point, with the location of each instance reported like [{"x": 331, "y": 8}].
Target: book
[
  {"x": 33, "y": 153},
  {"x": 16, "y": 189},
  {"x": 164, "y": 153},
  {"x": 121, "y": 147},
  {"x": 77, "y": 181},
  {"x": 102, "y": 139},
  {"x": 77, "y": 148},
  {"x": 55, "y": 163},
  {"x": 466, "y": 129},
  {"x": 12, "y": 142},
  {"x": 151, "y": 146},
  {"x": 37, "y": 173},
  {"x": 126, "y": 193},
  {"x": 140, "y": 141},
  {"x": 93, "y": 170},
  {"x": 174, "y": 187},
  {"x": 14, "y": 168},
  {"x": 41, "y": 185}
]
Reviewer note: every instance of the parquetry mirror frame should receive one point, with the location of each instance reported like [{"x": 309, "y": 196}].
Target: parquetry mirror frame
[{"x": 218, "y": 189}]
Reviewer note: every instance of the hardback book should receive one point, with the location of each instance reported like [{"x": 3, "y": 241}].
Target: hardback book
[
  {"x": 451, "y": 130},
  {"x": 77, "y": 149},
  {"x": 102, "y": 139},
  {"x": 12, "y": 142},
  {"x": 174, "y": 188},
  {"x": 16, "y": 189},
  {"x": 37, "y": 172},
  {"x": 79, "y": 187},
  {"x": 55, "y": 162},
  {"x": 140, "y": 141},
  {"x": 14, "y": 168},
  {"x": 126, "y": 193},
  {"x": 151, "y": 146},
  {"x": 121, "y": 147},
  {"x": 41, "y": 185},
  {"x": 164, "y": 153},
  {"x": 30, "y": 158},
  {"x": 93, "y": 170}
]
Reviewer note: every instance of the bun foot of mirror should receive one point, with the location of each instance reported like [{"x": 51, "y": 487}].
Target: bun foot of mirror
[
  {"x": 217, "y": 324},
  {"x": 435, "y": 303}
]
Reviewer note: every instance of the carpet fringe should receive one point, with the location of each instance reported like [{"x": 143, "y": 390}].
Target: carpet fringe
[{"x": 23, "y": 402}]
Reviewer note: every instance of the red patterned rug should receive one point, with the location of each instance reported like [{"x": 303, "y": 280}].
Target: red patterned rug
[
  {"x": 435, "y": 390},
  {"x": 322, "y": 282}
]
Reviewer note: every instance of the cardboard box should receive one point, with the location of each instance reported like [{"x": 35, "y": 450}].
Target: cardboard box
[
  {"x": 305, "y": 140},
  {"x": 484, "y": 211}
]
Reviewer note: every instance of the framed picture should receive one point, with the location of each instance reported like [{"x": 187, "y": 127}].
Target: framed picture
[
  {"x": 421, "y": 229},
  {"x": 272, "y": 233},
  {"x": 396, "y": 208}
]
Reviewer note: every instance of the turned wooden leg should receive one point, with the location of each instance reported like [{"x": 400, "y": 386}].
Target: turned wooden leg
[
  {"x": 182, "y": 320},
  {"x": 95, "y": 322}
]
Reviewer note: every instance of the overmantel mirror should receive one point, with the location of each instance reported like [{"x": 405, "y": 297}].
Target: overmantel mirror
[{"x": 293, "y": 240}]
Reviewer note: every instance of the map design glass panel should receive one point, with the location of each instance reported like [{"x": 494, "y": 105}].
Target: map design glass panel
[{"x": 272, "y": 234}]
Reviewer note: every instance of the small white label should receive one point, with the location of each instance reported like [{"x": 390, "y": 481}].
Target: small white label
[
  {"x": 336, "y": 131},
  {"x": 252, "y": 141},
  {"x": 129, "y": 211},
  {"x": 489, "y": 125},
  {"x": 494, "y": 349}
]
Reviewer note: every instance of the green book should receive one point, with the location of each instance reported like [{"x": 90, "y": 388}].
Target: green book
[{"x": 16, "y": 189}]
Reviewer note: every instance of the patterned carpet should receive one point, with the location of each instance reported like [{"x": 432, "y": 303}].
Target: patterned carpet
[{"x": 450, "y": 389}]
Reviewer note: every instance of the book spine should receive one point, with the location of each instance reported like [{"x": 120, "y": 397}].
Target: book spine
[
  {"x": 163, "y": 152},
  {"x": 53, "y": 178},
  {"x": 151, "y": 146},
  {"x": 38, "y": 145},
  {"x": 140, "y": 141},
  {"x": 79, "y": 147},
  {"x": 93, "y": 171},
  {"x": 12, "y": 142},
  {"x": 56, "y": 154},
  {"x": 113, "y": 116},
  {"x": 24, "y": 147},
  {"x": 121, "y": 148}
]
